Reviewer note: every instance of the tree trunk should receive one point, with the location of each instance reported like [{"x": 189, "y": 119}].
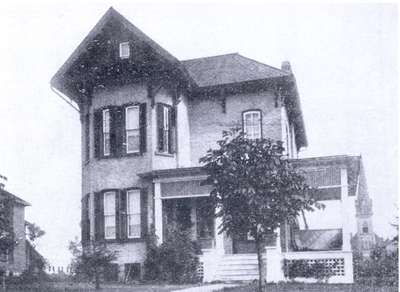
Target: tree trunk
[
  {"x": 260, "y": 263},
  {"x": 3, "y": 284},
  {"x": 97, "y": 280}
]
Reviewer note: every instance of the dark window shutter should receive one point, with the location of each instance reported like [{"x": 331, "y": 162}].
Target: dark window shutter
[
  {"x": 122, "y": 215},
  {"x": 85, "y": 223},
  {"x": 143, "y": 212},
  {"x": 160, "y": 127},
  {"x": 172, "y": 130},
  {"x": 99, "y": 216},
  {"x": 118, "y": 131},
  {"x": 117, "y": 209},
  {"x": 143, "y": 125},
  {"x": 87, "y": 137},
  {"x": 98, "y": 133}
]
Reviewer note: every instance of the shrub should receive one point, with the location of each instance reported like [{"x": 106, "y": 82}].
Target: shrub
[
  {"x": 175, "y": 260},
  {"x": 91, "y": 262},
  {"x": 302, "y": 269},
  {"x": 381, "y": 268}
]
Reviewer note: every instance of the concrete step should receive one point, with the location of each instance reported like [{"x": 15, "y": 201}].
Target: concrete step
[
  {"x": 243, "y": 267},
  {"x": 238, "y": 278},
  {"x": 237, "y": 273}
]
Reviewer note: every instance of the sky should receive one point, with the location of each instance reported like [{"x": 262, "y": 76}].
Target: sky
[{"x": 344, "y": 57}]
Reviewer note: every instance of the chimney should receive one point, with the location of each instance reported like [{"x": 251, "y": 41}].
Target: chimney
[
  {"x": 3, "y": 180},
  {"x": 286, "y": 66}
]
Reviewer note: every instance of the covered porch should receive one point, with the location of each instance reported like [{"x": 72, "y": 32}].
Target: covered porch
[{"x": 182, "y": 199}]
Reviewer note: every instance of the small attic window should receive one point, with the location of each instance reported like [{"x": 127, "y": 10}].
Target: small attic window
[{"x": 124, "y": 50}]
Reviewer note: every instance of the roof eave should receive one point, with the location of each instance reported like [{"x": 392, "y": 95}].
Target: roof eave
[
  {"x": 15, "y": 198},
  {"x": 58, "y": 80}
]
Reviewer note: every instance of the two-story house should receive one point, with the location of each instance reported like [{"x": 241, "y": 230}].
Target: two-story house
[
  {"x": 14, "y": 260},
  {"x": 146, "y": 120}
]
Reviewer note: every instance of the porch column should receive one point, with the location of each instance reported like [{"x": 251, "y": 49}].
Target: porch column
[
  {"x": 219, "y": 238},
  {"x": 345, "y": 214},
  {"x": 158, "y": 217}
]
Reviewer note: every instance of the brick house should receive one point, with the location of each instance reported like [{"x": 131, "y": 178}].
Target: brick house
[
  {"x": 146, "y": 120},
  {"x": 15, "y": 260}
]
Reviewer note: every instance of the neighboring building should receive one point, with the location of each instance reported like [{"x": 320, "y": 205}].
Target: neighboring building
[
  {"x": 15, "y": 260},
  {"x": 365, "y": 239},
  {"x": 146, "y": 120}
]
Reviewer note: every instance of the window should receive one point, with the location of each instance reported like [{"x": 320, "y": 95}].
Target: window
[
  {"x": 166, "y": 115},
  {"x": 124, "y": 50},
  {"x": 166, "y": 128},
  {"x": 106, "y": 132},
  {"x": 133, "y": 213},
  {"x": 119, "y": 130},
  {"x": 252, "y": 124},
  {"x": 365, "y": 228},
  {"x": 132, "y": 127},
  {"x": 109, "y": 215},
  {"x": 132, "y": 271}
]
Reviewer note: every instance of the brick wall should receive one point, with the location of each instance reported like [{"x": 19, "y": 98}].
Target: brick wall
[
  {"x": 19, "y": 263},
  {"x": 207, "y": 119},
  {"x": 119, "y": 173}
]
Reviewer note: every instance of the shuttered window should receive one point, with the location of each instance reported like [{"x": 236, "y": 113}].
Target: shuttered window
[
  {"x": 132, "y": 128},
  {"x": 109, "y": 215},
  {"x": 133, "y": 214},
  {"x": 166, "y": 128},
  {"x": 252, "y": 124},
  {"x": 120, "y": 130}
]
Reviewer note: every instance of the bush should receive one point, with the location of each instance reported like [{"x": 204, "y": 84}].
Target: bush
[
  {"x": 381, "y": 268},
  {"x": 302, "y": 269},
  {"x": 175, "y": 260}
]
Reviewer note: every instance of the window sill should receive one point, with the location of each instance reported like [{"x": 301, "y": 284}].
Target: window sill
[
  {"x": 120, "y": 156},
  {"x": 165, "y": 154}
]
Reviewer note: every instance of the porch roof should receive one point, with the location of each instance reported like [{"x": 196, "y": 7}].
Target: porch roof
[{"x": 173, "y": 172}]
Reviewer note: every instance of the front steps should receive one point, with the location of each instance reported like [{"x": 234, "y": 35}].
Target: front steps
[{"x": 237, "y": 267}]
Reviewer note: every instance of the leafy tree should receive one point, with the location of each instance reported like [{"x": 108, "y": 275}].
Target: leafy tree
[
  {"x": 7, "y": 236},
  {"x": 91, "y": 261},
  {"x": 380, "y": 268},
  {"x": 254, "y": 187},
  {"x": 33, "y": 232}
]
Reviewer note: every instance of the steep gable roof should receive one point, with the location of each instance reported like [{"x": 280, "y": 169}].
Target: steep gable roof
[
  {"x": 6, "y": 194},
  {"x": 227, "y": 69},
  {"x": 112, "y": 14}
]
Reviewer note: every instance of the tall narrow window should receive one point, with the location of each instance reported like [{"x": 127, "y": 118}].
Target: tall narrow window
[
  {"x": 132, "y": 127},
  {"x": 252, "y": 124},
  {"x": 106, "y": 132},
  {"x": 167, "y": 118},
  {"x": 124, "y": 50},
  {"x": 109, "y": 215},
  {"x": 133, "y": 213},
  {"x": 165, "y": 128}
]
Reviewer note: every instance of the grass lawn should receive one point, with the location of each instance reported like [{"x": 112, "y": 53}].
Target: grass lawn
[
  {"x": 299, "y": 287},
  {"x": 83, "y": 287}
]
